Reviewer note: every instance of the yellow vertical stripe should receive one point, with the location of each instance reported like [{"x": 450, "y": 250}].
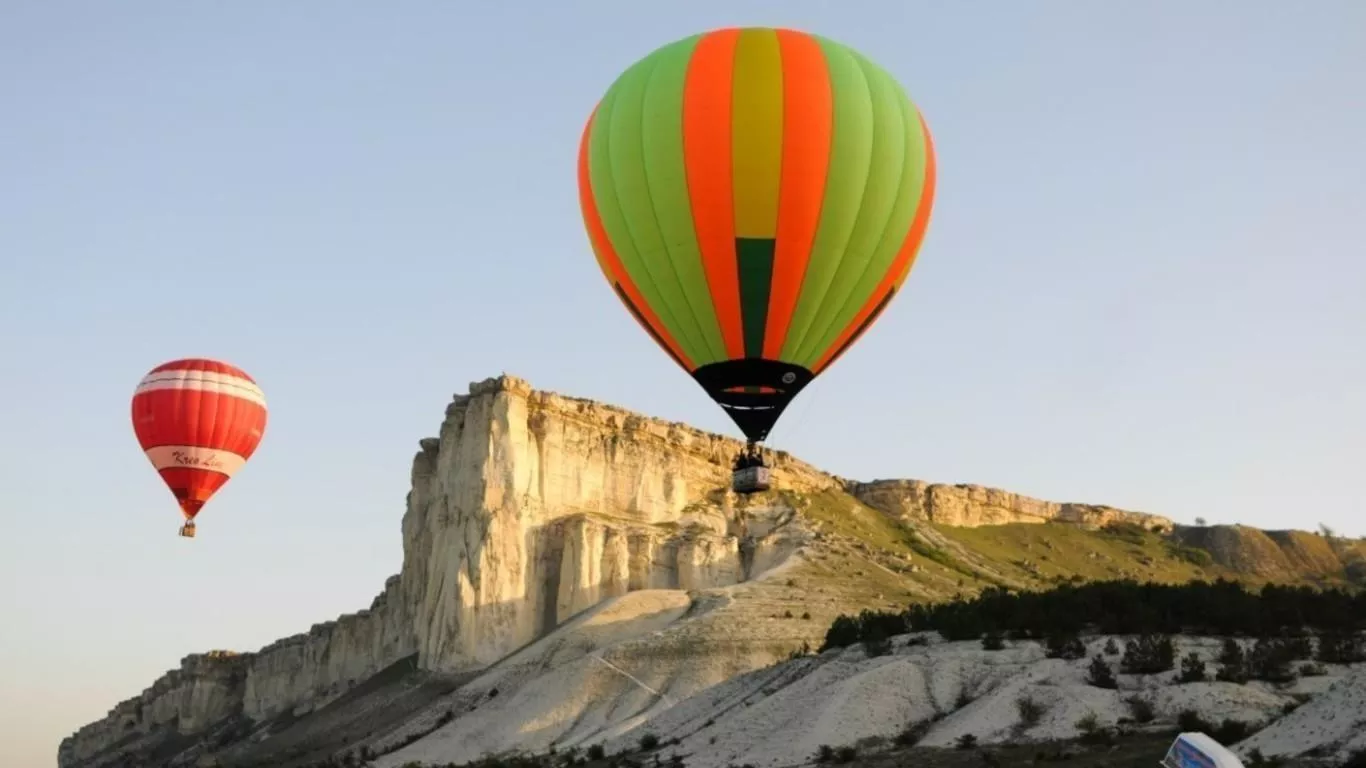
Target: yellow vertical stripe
[{"x": 757, "y": 133}]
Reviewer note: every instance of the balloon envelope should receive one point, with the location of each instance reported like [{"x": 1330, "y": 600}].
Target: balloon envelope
[
  {"x": 755, "y": 197},
  {"x": 198, "y": 421}
]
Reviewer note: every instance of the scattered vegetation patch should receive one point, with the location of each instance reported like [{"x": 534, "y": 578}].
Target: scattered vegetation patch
[
  {"x": 1232, "y": 663},
  {"x": 1126, "y": 607},
  {"x": 1190, "y": 720},
  {"x": 1132, "y": 533},
  {"x": 1100, "y": 675},
  {"x": 845, "y": 515},
  {"x": 1031, "y": 711},
  {"x": 875, "y": 647},
  {"x": 1230, "y": 731},
  {"x": 1141, "y": 709},
  {"x": 1092, "y": 733},
  {"x": 915, "y": 732},
  {"x": 1148, "y": 655},
  {"x": 1060, "y": 551},
  {"x": 1065, "y": 645},
  {"x": 827, "y": 755},
  {"x": 1193, "y": 555},
  {"x": 1341, "y": 647},
  {"x": 865, "y": 627},
  {"x": 1192, "y": 669}
]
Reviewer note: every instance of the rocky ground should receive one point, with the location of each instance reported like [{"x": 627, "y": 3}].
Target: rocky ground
[{"x": 942, "y": 703}]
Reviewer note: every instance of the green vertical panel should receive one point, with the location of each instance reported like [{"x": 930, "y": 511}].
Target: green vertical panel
[
  {"x": 667, "y": 178},
  {"x": 754, "y": 257},
  {"x": 850, "y": 154},
  {"x": 601, "y": 177},
  {"x": 889, "y": 204},
  {"x": 633, "y": 220}
]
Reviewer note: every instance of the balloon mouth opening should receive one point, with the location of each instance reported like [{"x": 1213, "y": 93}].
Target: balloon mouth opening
[
  {"x": 190, "y": 507},
  {"x": 753, "y": 391}
]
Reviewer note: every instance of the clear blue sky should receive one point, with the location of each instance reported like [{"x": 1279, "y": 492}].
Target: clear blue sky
[{"x": 1142, "y": 284}]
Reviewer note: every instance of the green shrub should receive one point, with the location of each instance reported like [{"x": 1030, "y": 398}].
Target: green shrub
[
  {"x": 1190, "y": 720},
  {"x": 1148, "y": 655},
  {"x": 1141, "y": 709},
  {"x": 1064, "y": 645},
  {"x": 1192, "y": 668},
  {"x": 1100, "y": 675},
  {"x": 1031, "y": 711},
  {"x": 1231, "y": 732}
]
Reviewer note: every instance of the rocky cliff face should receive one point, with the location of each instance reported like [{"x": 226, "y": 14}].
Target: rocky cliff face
[
  {"x": 1278, "y": 555},
  {"x": 205, "y": 689},
  {"x": 972, "y": 505},
  {"x": 529, "y": 508}
]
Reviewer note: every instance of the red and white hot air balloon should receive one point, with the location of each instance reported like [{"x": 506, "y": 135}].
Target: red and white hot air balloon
[{"x": 198, "y": 421}]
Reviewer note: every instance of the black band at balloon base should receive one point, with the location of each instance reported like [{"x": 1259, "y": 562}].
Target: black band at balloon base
[{"x": 752, "y": 391}]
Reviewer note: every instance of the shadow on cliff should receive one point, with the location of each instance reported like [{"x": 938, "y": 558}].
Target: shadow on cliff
[
  {"x": 402, "y": 703},
  {"x": 373, "y": 708}
]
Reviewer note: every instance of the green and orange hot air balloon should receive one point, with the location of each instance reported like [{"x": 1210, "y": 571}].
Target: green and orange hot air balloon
[{"x": 755, "y": 197}]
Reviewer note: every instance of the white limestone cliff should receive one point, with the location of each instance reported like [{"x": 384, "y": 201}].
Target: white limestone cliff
[
  {"x": 969, "y": 506},
  {"x": 527, "y": 509},
  {"x": 531, "y": 507},
  {"x": 305, "y": 670},
  {"x": 206, "y": 688}
]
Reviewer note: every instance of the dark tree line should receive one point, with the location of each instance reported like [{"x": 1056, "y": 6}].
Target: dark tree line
[{"x": 1126, "y": 607}]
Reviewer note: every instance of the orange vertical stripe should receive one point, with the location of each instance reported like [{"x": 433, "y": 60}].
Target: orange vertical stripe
[
  {"x": 808, "y": 120},
  {"x": 901, "y": 265},
  {"x": 706, "y": 153},
  {"x": 607, "y": 256}
]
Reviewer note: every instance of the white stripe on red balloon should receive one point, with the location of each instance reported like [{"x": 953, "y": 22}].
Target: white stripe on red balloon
[
  {"x": 195, "y": 457},
  {"x": 205, "y": 381}
]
